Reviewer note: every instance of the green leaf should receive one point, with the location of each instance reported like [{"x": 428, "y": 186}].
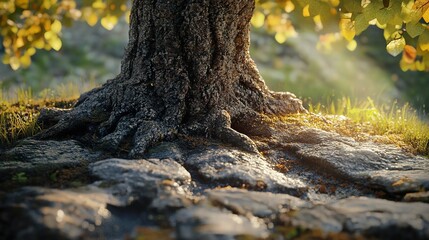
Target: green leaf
[
  {"x": 352, "y": 6},
  {"x": 385, "y": 15},
  {"x": 361, "y": 23},
  {"x": 424, "y": 41},
  {"x": 414, "y": 29}
]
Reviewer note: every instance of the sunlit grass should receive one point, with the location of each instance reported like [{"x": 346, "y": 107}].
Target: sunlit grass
[
  {"x": 19, "y": 110},
  {"x": 362, "y": 120},
  {"x": 365, "y": 120}
]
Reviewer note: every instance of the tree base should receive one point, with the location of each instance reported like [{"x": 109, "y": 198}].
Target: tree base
[{"x": 103, "y": 125}]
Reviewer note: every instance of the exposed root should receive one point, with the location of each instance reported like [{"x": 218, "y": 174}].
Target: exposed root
[
  {"x": 217, "y": 126},
  {"x": 148, "y": 133}
]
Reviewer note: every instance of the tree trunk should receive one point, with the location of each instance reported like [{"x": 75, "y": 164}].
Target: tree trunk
[{"x": 186, "y": 70}]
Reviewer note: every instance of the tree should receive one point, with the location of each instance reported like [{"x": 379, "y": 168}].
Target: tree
[{"x": 187, "y": 71}]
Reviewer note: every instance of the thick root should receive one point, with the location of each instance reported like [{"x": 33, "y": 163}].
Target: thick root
[
  {"x": 217, "y": 126},
  {"x": 147, "y": 134}
]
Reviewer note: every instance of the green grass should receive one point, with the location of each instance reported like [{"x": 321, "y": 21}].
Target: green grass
[
  {"x": 362, "y": 120},
  {"x": 19, "y": 111},
  {"x": 395, "y": 124}
]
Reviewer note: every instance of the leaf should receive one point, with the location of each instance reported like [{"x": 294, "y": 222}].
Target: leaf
[
  {"x": 14, "y": 63},
  {"x": 426, "y": 15},
  {"x": 280, "y": 37},
  {"x": 25, "y": 60},
  {"x": 414, "y": 29},
  {"x": 347, "y": 29},
  {"x": 409, "y": 54},
  {"x": 352, "y": 6},
  {"x": 258, "y": 19},
  {"x": 109, "y": 22},
  {"x": 55, "y": 43},
  {"x": 306, "y": 11},
  {"x": 56, "y": 26},
  {"x": 334, "y": 3},
  {"x": 424, "y": 41},
  {"x": 396, "y": 46},
  {"x": 351, "y": 46},
  {"x": 361, "y": 23},
  {"x": 289, "y": 6},
  {"x": 420, "y": 66},
  {"x": 91, "y": 19},
  {"x": 31, "y": 51},
  {"x": 385, "y": 16},
  {"x": 19, "y": 42}
]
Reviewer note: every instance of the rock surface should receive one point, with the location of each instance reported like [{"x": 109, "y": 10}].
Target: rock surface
[
  {"x": 143, "y": 180},
  {"x": 369, "y": 217},
  {"x": 374, "y": 165},
  {"x": 308, "y": 181},
  {"x": 205, "y": 222},
  {"x": 39, "y": 157},
  {"x": 235, "y": 168}
]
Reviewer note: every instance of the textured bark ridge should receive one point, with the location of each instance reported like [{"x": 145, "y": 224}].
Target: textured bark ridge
[{"x": 186, "y": 70}]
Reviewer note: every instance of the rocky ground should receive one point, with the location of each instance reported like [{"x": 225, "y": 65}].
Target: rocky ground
[{"x": 305, "y": 183}]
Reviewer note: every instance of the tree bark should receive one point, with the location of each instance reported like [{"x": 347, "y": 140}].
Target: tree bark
[{"x": 186, "y": 70}]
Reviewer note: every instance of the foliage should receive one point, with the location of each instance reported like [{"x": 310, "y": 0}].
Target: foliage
[
  {"x": 404, "y": 23},
  {"x": 30, "y": 25}
]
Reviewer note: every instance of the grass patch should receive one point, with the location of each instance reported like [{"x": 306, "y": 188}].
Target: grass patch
[
  {"x": 394, "y": 124},
  {"x": 360, "y": 120},
  {"x": 18, "y": 113}
]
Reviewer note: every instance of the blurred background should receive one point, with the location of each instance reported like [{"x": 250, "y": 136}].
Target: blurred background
[{"x": 92, "y": 55}]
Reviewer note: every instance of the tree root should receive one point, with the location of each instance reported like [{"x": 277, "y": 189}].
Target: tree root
[{"x": 137, "y": 126}]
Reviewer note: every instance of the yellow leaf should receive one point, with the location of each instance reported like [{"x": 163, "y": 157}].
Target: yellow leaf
[
  {"x": 99, "y": 4},
  {"x": 19, "y": 42},
  {"x": 55, "y": 43},
  {"x": 31, "y": 51},
  {"x": 306, "y": 11},
  {"x": 56, "y": 26},
  {"x": 426, "y": 15},
  {"x": 25, "y": 60},
  {"x": 280, "y": 37},
  {"x": 273, "y": 21},
  {"x": 347, "y": 29},
  {"x": 351, "y": 46},
  {"x": 34, "y": 29},
  {"x": 334, "y": 3},
  {"x": 318, "y": 22},
  {"x": 39, "y": 43},
  {"x": 420, "y": 66},
  {"x": 49, "y": 34},
  {"x": 258, "y": 19},
  {"x": 91, "y": 19},
  {"x": 396, "y": 46},
  {"x": 14, "y": 63},
  {"x": 289, "y": 6},
  {"x": 109, "y": 22}
]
